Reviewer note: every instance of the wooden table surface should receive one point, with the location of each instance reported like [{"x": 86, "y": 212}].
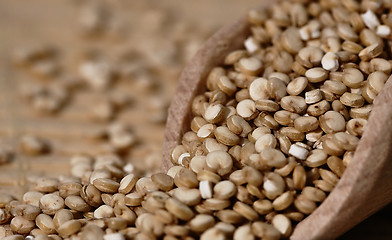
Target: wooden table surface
[
  {"x": 28, "y": 23},
  {"x": 31, "y": 22}
]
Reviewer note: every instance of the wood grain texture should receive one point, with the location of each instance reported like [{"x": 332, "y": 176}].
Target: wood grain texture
[{"x": 192, "y": 82}]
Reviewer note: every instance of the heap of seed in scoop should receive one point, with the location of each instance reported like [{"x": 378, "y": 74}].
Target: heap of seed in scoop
[
  {"x": 270, "y": 138},
  {"x": 281, "y": 119}
]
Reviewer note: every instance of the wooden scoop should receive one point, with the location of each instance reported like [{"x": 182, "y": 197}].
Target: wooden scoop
[{"x": 366, "y": 185}]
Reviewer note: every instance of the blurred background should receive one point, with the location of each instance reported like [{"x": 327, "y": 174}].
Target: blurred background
[
  {"x": 52, "y": 53},
  {"x": 95, "y": 77}
]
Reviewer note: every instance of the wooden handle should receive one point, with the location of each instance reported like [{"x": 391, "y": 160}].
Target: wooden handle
[
  {"x": 192, "y": 82},
  {"x": 366, "y": 185}
]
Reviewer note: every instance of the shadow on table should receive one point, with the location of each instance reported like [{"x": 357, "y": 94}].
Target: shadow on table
[{"x": 376, "y": 227}]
